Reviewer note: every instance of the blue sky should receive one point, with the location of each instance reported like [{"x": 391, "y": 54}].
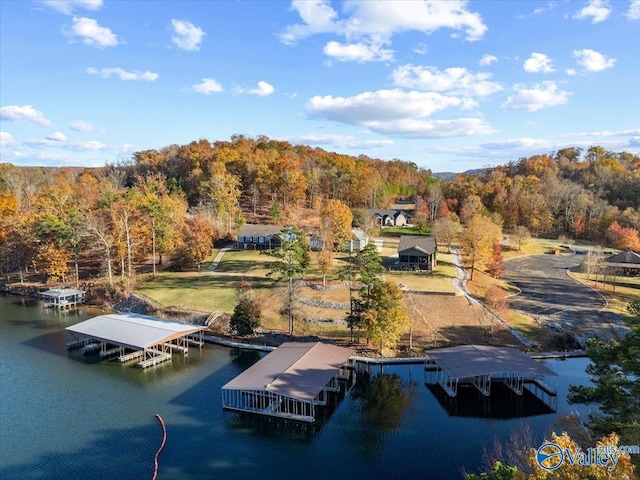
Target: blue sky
[{"x": 450, "y": 85}]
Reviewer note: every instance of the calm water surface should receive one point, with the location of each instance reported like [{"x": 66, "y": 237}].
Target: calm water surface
[{"x": 65, "y": 417}]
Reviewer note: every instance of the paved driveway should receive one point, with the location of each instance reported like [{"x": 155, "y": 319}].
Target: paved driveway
[{"x": 550, "y": 295}]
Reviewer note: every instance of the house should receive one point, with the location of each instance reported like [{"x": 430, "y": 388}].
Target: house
[
  {"x": 389, "y": 218},
  {"x": 627, "y": 262},
  {"x": 417, "y": 253},
  {"x": 259, "y": 237},
  {"x": 358, "y": 241}
]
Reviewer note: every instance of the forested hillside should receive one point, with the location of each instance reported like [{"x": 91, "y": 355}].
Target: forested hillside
[{"x": 175, "y": 201}]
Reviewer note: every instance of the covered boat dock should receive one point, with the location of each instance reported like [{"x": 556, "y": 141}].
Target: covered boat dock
[
  {"x": 291, "y": 381},
  {"x": 132, "y": 337},
  {"x": 480, "y": 365},
  {"x": 62, "y": 297}
]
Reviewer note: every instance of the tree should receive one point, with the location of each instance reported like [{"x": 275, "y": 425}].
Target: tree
[
  {"x": 435, "y": 197},
  {"x": 197, "y": 240},
  {"x": 447, "y": 229},
  {"x": 336, "y": 218},
  {"x": 293, "y": 255},
  {"x": 616, "y": 390},
  {"x": 495, "y": 266},
  {"x": 499, "y": 471},
  {"x": 478, "y": 239},
  {"x": 325, "y": 260},
  {"x": 247, "y": 314},
  {"x": 521, "y": 236},
  {"x": 385, "y": 318},
  {"x": 623, "y": 238},
  {"x": 471, "y": 207},
  {"x": 56, "y": 262},
  {"x": 368, "y": 267}
]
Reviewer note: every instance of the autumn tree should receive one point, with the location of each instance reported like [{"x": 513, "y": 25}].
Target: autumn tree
[
  {"x": 222, "y": 191},
  {"x": 477, "y": 241},
  {"x": 623, "y": 238},
  {"x": 293, "y": 259},
  {"x": 336, "y": 219},
  {"x": 385, "y": 318},
  {"x": 521, "y": 236},
  {"x": 447, "y": 229},
  {"x": 55, "y": 261},
  {"x": 197, "y": 240},
  {"x": 495, "y": 265}
]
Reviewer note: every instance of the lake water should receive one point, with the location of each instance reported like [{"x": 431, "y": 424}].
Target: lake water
[{"x": 66, "y": 417}]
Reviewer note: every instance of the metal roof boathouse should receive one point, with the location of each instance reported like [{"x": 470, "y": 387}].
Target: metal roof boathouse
[
  {"x": 291, "y": 381},
  {"x": 62, "y": 297},
  {"x": 134, "y": 337},
  {"x": 480, "y": 365}
]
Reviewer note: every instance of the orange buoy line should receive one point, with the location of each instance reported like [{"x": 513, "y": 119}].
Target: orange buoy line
[{"x": 164, "y": 440}]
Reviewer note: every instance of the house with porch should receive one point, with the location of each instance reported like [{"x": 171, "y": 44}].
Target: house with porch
[
  {"x": 389, "y": 218},
  {"x": 417, "y": 253},
  {"x": 628, "y": 263},
  {"x": 259, "y": 237}
]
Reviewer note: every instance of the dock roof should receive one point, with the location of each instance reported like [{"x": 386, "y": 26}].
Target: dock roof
[
  {"x": 62, "y": 292},
  {"x": 133, "y": 330},
  {"x": 295, "y": 369},
  {"x": 476, "y": 360}
]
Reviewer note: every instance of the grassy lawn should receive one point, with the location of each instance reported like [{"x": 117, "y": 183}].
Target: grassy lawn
[
  {"x": 626, "y": 290},
  {"x": 439, "y": 281},
  {"x": 536, "y": 246},
  {"x": 397, "y": 231},
  {"x": 251, "y": 262}
]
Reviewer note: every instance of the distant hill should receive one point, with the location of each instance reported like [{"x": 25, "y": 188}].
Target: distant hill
[{"x": 448, "y": 176}]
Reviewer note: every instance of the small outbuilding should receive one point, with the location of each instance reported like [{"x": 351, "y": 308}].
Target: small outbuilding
[{"x": 291, "y": 382}]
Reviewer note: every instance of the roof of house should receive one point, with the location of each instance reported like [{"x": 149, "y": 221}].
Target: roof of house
[
  {"x": 359, "y": 234},
  {"x": 388, "y": 213},
  {"x": 421, "y": 243},
  {"x": 62, "y": 292},
  {"x": 132, "y": 329},
  {"x": 624, "y": 257},
  {"x": 475, "y": 360},
  {"x": 294, "y": 369},
  {"x": 252, "y": 230}
]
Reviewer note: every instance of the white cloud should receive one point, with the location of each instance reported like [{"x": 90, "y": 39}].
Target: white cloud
[
  {"x": 412, "y": 128},
  {"x": 124, "y": 74},
  {"x": 92, "y": 145},
  {"x": 207, "y": 86},
  {"x": 88, "y": 30},
  {"x": 542, "y": 95},
  {"x": 518, "y": 144},
  {"x": 487, "y": 60},
  {"x": 24, "y": 113},
  {"x": 538, "y": 62},
  {"x": 187, "y": 35},
  {"x": 634, "y": 10},
  {"x": 6, "y": 139},
  {"x": 67, "y": 6},
  {"x": 597, "y": 10},
  {"x": 263, "y": 89},
  {"x": 370, "y": 24},
  {"x": 456, "y": 80},
  {"x": 382, "y": 105},
  {"x": 421, "y": 48},
  {"x": 57, "y": 137},
  {"x": 338, "y": 141},
  {"x": 357, "y": 52},
  {"x": 550, "y": 6},
  {"x": 593, "y": 61},
  {"x": 571, "y": 72},
  {"x": 80, "y": 126}
]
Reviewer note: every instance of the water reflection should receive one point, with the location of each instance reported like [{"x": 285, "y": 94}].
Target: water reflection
[{"x": 383, "y": 398}]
